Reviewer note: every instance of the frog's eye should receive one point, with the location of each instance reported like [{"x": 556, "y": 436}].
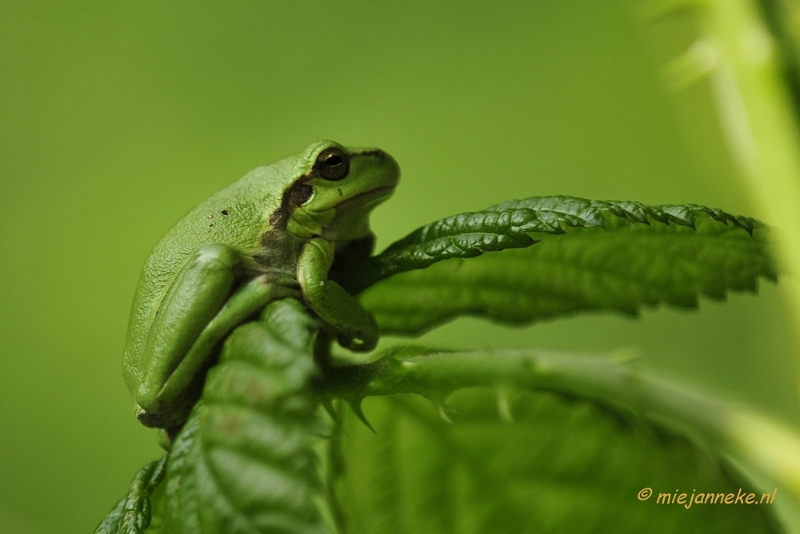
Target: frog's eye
[{"x": 332, "y": 164}]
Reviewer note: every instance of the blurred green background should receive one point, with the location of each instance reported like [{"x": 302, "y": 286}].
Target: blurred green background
[{"x": 117, "y": 117}]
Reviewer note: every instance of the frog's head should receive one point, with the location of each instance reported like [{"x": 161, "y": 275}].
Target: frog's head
[{"x": 338, "y": 189}]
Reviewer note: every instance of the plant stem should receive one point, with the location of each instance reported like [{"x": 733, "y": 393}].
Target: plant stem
[{"x": 758, "y": 117}]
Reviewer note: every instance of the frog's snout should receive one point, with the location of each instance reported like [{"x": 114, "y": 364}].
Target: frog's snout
[{"x": 378, "y": 153}]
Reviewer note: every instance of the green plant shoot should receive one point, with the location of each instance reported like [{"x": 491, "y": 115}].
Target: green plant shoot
[{"x": 229, "y": 352}]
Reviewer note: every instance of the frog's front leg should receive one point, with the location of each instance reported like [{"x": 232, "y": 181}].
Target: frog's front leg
[
  {"x": 355, "y": 327},
  {"x": 199, "y": 309}
]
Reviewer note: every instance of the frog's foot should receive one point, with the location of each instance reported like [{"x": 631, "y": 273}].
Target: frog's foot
[{"x": 362, "y": 340}]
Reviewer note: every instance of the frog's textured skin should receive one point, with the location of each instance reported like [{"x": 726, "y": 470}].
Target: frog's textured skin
[{"x": 272, "y": 234}]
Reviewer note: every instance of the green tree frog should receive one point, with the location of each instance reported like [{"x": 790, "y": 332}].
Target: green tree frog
[{"x": 280, "y": 231}]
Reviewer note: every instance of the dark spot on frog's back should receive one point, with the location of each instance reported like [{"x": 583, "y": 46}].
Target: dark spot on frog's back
[{"x": 224, "y": 212}]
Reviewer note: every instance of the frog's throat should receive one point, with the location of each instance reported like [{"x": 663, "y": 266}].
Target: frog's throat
[
  {"x": 306, "y": 224},
  {"x": 367, "y": 200}
]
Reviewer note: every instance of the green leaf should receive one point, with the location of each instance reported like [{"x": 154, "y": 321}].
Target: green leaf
[
  {"x": 588, "y": 255},
  {"x": 540, "y": 442},
  {"x": 534, "y": 436},
  {"x": 132, "y": 514},
  {"x": 562, "y": 466},
  {"x": 243, "y": 462}
]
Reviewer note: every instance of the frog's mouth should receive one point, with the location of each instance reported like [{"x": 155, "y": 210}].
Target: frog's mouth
[{"x": 368, "y": 199}]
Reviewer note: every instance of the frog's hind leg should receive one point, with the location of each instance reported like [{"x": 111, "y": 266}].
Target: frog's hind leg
[{"x": 198, "y": 311}]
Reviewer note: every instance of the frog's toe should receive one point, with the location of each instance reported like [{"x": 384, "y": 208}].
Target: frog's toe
[
  {"x": 154, "y": 420},
  {"x": 358, "y": 345}
]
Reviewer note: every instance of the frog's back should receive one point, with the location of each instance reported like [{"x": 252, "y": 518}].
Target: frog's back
[{"x": 236, "y": 216}]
